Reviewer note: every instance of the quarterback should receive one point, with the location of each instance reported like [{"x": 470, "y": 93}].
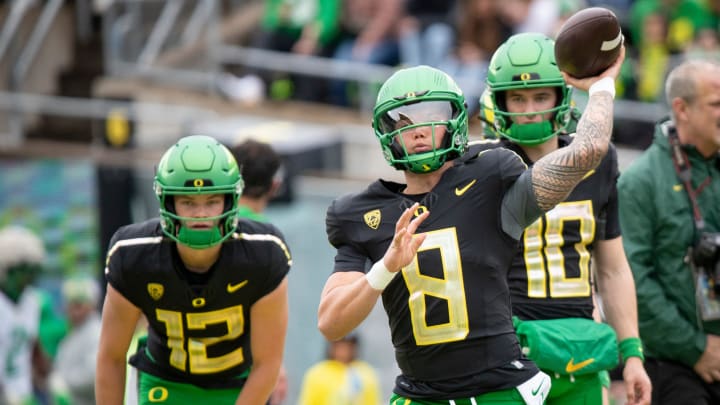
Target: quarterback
[{"x": 439, "y": 245}]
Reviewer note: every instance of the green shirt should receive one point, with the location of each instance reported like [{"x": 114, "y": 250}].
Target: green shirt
[{"x": 245, "y": 212}]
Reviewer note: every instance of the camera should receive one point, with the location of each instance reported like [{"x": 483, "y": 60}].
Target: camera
[{"x": 706, "y": 255}]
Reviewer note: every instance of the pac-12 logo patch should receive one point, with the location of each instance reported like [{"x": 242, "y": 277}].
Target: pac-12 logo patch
[
  {"x": 155, "y": 290},
  {"x": 372, "y": 218}
]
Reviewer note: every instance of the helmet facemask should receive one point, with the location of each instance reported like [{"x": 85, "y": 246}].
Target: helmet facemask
[
  {"x": 527, "y": 61},
  {"x": 198, "y": 165},
  {"x": 420, "y": 99},
  {"x": 180, "y": 229}
]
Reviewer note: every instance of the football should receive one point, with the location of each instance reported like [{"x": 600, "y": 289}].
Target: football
[{"x": 588, "y": 42}]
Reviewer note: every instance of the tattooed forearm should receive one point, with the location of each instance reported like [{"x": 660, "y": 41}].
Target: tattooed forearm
[{"x": 556, "y": 174}]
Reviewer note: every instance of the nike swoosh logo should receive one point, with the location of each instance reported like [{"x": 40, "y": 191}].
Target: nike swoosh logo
[
  {"x": 536, "y": 390},
  {"x": 588, "y": 174},
  {"x": 610, "y": 45},
  {"x": 461, "y": 191},
  {"x": 231, "y": 288},
  {"x": 571, "y": 368}
]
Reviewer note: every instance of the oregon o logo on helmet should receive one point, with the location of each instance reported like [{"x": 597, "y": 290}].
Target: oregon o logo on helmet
[
  {"x": 198, "y": 183},
  {"x": 525, "y": 76}
]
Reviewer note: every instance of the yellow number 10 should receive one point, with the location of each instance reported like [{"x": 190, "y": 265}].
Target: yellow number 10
[{"x": 547, "y": 248}]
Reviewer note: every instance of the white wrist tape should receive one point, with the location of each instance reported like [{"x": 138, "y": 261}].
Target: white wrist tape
[
  {"x": 604, "y": 84},
  {"x": 379, "y": 276}
]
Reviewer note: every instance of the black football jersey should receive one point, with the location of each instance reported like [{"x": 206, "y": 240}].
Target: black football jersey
[
  {"x": 550, "y": 276},
  {"x": 197, "y": 334},
  {"x": 449, "y": 309}
]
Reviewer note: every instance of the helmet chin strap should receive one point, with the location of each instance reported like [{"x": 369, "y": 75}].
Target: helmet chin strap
[
  {"x": 199, "y": 238},
  {"x": 533, "y": 133}
]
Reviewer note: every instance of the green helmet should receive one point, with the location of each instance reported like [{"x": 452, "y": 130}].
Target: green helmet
[
  {"x": 416, "y": 97},
  {"x": 487, "y": 115},
  {"x": 22, "y": 255},
  {"x": 198, "y": 165},
  {"x": 527, "y": 61}
]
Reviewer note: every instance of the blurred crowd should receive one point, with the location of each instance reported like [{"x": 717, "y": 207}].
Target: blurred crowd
[
  {"x": 48, "y": 346},
  {"x": 459, "y": 36}
]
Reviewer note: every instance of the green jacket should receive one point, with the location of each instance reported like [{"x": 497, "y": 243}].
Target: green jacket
[{"x": 657, "y": 225}]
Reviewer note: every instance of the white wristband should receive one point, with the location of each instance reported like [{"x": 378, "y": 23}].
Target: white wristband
[
  {"x": 379, "y": 276},
  {"x": 604, "y": 84}
]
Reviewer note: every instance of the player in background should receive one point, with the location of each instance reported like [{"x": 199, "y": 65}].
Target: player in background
[
  {"x": 441, "y": 243},
  {"x": 212, "y": 287},
  {"x": 550, "y": 277},
  {"x": 341, "y": 378},
  {"x": 22, "y": 257},
  {"x": 260, "y": 167}
]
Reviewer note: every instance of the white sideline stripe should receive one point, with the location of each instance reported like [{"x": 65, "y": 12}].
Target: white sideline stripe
[
  {"x": 131, "y": 242},
  {"x": 610, "y": 45},
  {"x": 267, "y": 238}
]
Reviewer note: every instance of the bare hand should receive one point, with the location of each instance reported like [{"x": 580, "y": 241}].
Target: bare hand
[
  {"x": 637, "y": 382},
  {"x": 585, "y": 83},
  {"x": 708, "y": 366},
  {"x": 405, "y": 243}
]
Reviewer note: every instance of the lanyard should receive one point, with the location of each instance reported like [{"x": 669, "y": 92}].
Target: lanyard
[{"x": 684, "y": 172}]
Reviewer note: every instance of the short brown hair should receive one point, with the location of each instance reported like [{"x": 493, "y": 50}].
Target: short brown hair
[{"x": 259, "y": 163}]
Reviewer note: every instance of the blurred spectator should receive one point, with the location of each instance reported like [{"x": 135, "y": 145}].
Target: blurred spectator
[
  {"x": 77, "y": 354},
  {"x": 566, "y": 9},
  {"x": 303, "y": 27},
  {"x": 24, "y": 362},
  {"x": 530, "y": 15},
  {"x": 684, "y": 18},
  {"x": 481, "y": 31},
  {"x": 341, "y": 378},
  {"x": 425, "y": 32},
  {"x": 367, "y": 35},
  {"x": 645, "y": 71},
  {"x": 260, "y": 168},
  {"x": 705, "y": 46}
]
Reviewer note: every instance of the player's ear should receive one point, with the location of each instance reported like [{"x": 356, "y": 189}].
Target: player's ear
[{"x": 274, "y": 188}]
